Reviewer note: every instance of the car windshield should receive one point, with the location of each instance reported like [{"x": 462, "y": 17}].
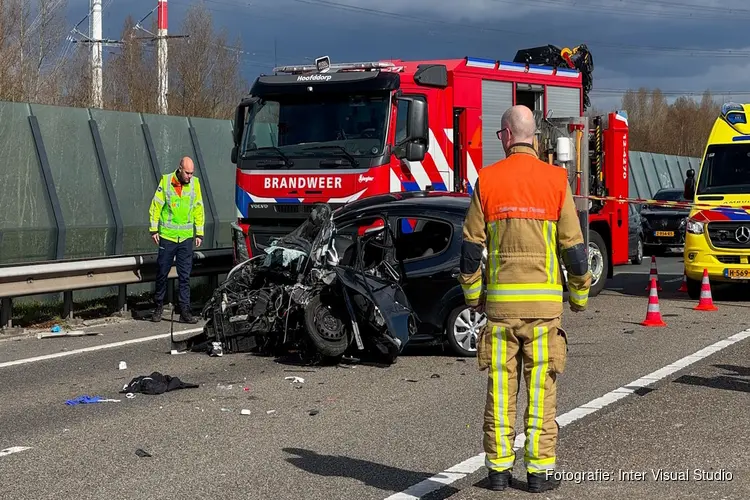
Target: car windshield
[
  {"x": 726, "y": 170},
  {"x": 317, "y": 125},
  {"x": 668, "y": 196}
]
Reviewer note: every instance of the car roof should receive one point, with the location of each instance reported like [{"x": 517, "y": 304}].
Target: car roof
[{"x": 417, "y": 200}]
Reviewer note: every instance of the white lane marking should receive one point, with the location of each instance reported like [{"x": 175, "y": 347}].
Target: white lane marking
[
  {"x": 95, "y": 348},
  {"x": 476, "y": 462},
  {"x": 13, "y": 449}
]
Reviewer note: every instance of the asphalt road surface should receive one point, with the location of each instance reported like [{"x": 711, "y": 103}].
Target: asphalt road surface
[{"x": 633, "y": 401}]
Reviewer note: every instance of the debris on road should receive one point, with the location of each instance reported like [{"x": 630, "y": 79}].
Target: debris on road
[
  {"x": 270, "y": 412},
  {"x": 123, "y": 365},
  {"x": 295, "y": 380},
  {"x": 216, "y": 350},
  {"x": 312, "y": 413},
  {"x": 13, "y": 449},
  {"x": 245, "y": 412},
  {"x": 223, "y": 387},
  {"x": 57, "y": 332},
  {"x": 142, "y": 453},
  {"x": 86, "y": 399},
  {"x": 410, "y": 380},
  {"x": 156, "y": 383},
  {"x": 434, "y": 375}
]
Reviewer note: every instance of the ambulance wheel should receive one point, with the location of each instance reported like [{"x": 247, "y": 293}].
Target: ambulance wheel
[
  {"x": 598, "y": 263},
  {"x": 694, "y": 289}
]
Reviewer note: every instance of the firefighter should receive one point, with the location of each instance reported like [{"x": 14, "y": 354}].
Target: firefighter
[
  {"x": 175, "y": 217},
  {"x": 522, "y": 212}
]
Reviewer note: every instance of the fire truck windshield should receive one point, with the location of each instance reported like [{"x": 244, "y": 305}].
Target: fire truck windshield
[
  {"x": 726, "y": 170},
  {"x": 305, "y": 126}
]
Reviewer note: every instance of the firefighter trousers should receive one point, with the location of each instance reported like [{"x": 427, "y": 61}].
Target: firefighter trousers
[{"x": 540, "y": 346}]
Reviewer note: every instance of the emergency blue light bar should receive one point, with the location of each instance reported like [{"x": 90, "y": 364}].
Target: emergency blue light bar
[{"x": 728, "y": 107}]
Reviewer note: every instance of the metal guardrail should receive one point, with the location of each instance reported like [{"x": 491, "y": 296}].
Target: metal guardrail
[{"x": 66, "y": 276}]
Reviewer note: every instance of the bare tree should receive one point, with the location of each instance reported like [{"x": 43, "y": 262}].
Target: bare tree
[
  {"x": 680, "y": 128},
  {"x": 204, "y": 69},
  {"x": 130, "y": 74},
  {"x": 30, "y": 62}
]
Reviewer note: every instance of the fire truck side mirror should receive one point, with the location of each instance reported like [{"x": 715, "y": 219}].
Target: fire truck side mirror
[
  {"x": 415, "y": 151},
  {"x": 413, "y": 147},
  {"x": 416, "y": 123},
  {"x": 689, "y": 192}
]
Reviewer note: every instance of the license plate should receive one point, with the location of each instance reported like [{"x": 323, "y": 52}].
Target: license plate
[
  {"x": 663, "y": 233},
  {"x": 737, "y": 274}
]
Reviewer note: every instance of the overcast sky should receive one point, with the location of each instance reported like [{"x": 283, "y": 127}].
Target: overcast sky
[{"x": 676, "y": 45}]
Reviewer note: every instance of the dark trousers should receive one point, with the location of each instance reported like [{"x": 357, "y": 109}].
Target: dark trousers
[{"x": 182, "y": 254}]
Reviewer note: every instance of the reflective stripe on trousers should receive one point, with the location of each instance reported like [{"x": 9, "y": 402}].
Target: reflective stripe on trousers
[{"x": 510, "y": 344}]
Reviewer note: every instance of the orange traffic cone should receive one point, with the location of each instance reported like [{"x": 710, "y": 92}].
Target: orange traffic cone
[
  {"x": 683, "y": 287},
  {"x": 654, "y": 274},
  {"x": 706, "y": 302},
  {"x": 653, "y": 314}
]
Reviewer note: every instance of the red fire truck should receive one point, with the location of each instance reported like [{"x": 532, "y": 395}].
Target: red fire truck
[{"x": 339, "y": 132}]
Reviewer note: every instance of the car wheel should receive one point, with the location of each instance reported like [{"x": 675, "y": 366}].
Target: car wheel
[
  {"x": 326, "y": 330},
  {"x": 462, "y": 328},
  {"x": 638, "y": 252}
]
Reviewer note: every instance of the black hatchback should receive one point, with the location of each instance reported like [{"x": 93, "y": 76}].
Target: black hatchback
[{"x": 424, "y": 245}]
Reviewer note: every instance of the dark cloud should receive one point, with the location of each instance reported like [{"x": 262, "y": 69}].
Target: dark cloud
[{"x": 288, "y": 31}]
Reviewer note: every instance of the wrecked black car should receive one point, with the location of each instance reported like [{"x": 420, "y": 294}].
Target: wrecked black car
[{"x": 301, "y": 296}]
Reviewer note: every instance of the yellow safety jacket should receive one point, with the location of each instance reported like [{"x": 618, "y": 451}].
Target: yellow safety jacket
[
  {"x": 176, "y": 208},
  {"x": 522, "y": 212}
]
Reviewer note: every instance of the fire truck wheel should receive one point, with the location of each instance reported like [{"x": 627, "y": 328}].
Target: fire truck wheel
[{"x": 598, "y": 263}]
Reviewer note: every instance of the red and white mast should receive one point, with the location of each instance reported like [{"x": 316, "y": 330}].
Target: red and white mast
[{"x": 162, "y": 22}]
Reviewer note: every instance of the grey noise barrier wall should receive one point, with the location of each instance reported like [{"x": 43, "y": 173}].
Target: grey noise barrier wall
[{"x": 77, "y": 183}]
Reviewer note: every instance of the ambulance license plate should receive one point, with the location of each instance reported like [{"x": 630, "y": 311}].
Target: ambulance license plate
[
  {"x": 737, "y": 274},
  {"x": 663, "y": 233}
]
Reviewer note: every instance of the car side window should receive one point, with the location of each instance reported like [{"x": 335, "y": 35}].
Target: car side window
[
  {"x": 418, "y": 238},
  {"x": 346, "y": 237},
  {"x": 402, "y": 113}
]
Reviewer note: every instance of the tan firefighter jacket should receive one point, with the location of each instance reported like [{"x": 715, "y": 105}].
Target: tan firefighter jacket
[{"x": 522, "y": 212}]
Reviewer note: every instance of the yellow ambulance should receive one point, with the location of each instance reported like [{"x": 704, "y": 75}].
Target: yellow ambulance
[{"x": 717, "y": 234}]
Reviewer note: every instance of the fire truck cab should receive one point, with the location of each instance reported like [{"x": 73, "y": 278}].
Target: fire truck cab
[{"x": 336, "y": 133}]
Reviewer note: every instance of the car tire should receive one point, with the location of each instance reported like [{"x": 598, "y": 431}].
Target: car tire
[
  {"x": 638, "y": 252},
  {"x": 596, "y": 243},
  {"x": 460, "y": 319},
  {"x": 330, "y": 340},
  {"x": 693, "y": 288}
]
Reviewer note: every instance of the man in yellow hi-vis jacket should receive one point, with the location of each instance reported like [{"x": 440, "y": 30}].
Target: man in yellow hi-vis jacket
[
  {"x": 522, "y": 212},
  {"x": 175, "y": 217}
]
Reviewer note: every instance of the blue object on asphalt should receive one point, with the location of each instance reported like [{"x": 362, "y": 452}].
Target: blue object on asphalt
[{"x": 83, "y": 400}]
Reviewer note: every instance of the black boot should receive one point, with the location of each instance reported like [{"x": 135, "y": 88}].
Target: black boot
[
  {"x": 499, "y": 480},
  {"x": 156, "y": 315},
  {"x": 542, "y": 481},
  {"x": 187, "y": 317}
]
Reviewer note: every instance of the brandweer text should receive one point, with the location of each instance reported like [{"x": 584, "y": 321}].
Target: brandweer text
[{"x": 302, "y": 182}]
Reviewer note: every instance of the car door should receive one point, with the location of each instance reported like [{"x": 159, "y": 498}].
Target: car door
[{"x": 428, "y": 256}]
